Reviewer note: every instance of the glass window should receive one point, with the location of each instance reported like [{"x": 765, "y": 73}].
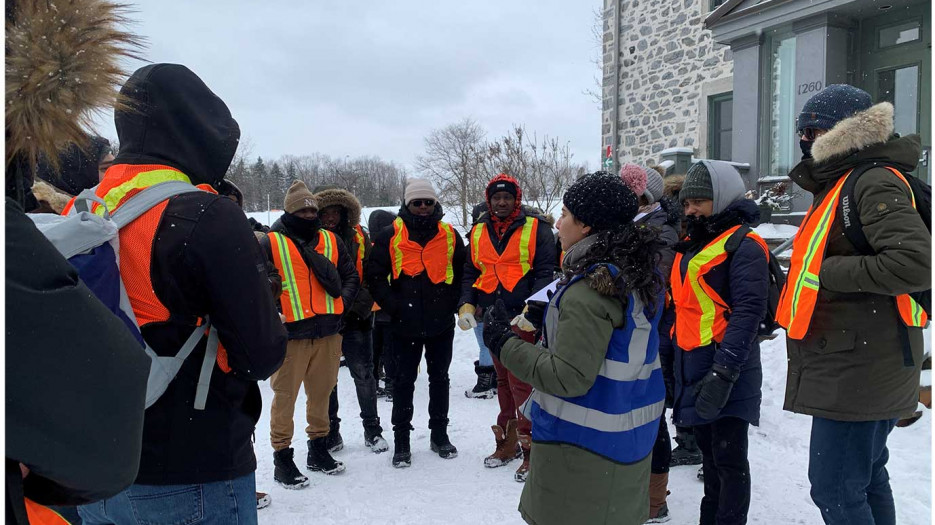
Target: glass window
[
  {"x": 716, "y": 4},
  {"x": 899, "y": 34},
  {"x": 901, "y": 88},
  {"x": 782, "y": 141},
  {"x": 720, "y": 126}
]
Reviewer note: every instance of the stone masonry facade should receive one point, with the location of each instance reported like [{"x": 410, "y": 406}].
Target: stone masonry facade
[{"x": 666, "y": 68}]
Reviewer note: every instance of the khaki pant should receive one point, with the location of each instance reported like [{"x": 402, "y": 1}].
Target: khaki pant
[{"x": 314, "y": 362}]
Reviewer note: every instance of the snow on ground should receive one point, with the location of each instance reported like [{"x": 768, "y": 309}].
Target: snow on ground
[{"x": 462, "y": 491}]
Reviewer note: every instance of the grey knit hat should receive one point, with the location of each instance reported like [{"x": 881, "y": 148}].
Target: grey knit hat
[
  {"x": 653, "y": 186},
  {"x": 697, "y": 183}
]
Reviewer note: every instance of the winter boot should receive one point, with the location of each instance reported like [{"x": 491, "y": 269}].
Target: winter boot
[
  {"x": 286, "y": 473},
  {"x": 658, "y": 490},
  {"x": 373, "y": 438},
  {"x": 440, "y": 444},
  {"x": 319, "y": 460},
  {"x": 389, "y": 392},
  {"x": 262, "y": 500},
  {"x": 700, "y": 474},
  {"x": 402, "y": 457},
  {"x": 486, "y": 387},
  {"x": 381, "y": 392},
  {"x": 687, "y": 451},
  {"x": 334, "y": 441},
  {"x": 507, "y": 446},
  {"x": 525, "y": 443}
]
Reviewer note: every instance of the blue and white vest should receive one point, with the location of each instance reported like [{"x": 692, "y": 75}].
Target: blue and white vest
[{"x": 618, "y": 418}]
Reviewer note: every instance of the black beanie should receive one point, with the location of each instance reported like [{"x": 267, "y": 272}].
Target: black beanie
[
  {"x": 501, "y": 185},
  {"x": 601, "y": 200},
  {"x": 832, "y": 105}
]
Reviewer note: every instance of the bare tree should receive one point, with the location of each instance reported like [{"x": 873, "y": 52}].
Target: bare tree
[
  {"x": 453, "y": 160},
  {"x": 596, "y": 92}
]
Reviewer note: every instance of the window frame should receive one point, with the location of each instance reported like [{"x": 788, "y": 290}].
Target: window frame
[{"x": 714, "y": 121}]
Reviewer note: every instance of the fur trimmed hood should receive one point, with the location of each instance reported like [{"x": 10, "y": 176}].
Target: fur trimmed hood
[
  {"x": 342, "y": 198},
  {"x": 866, "y": 128},
  {"x": 49, "y": 196}
]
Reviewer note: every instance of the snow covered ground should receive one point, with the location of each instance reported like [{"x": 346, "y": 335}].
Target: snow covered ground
[{"x": 462, "y": 491}]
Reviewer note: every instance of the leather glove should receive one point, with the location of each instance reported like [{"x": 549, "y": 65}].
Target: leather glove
[
  {"x": 497, "y": 328},
  {"x": 466, "y": 319},
  {"x": 713, "y": 391},
  {"x": 531, "y": 318}
]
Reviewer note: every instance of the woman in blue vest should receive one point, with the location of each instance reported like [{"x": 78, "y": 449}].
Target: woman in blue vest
[{"x": 598, "y": 385}]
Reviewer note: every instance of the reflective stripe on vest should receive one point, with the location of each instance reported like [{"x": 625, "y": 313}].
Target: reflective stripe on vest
[
  {"x": 701, "y": 314},
  {"x": 619, "y": 415},
  {"x": 361, "y": 250},
  {"x": 302, "y": 295},
  {"x": 410, "y": 258},
  {"x": 799, "y": 296},
  {"x": 506, "y": 268},
  {"x": 42, "y": 515},
  {"x": 114, "y": 195}
]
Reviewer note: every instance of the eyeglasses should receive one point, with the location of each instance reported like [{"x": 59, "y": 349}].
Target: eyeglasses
[
  {"x": 810, "y": 133},
  {"x": 419, "y": 202}
]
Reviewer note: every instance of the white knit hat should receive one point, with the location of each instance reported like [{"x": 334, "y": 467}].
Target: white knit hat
[{"x": 419, "y": 189}]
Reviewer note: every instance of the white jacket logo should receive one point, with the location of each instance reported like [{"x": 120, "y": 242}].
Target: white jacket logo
[{"x": 846, "y": 208}]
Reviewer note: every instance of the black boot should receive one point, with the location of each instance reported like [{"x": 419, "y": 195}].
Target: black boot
[
  {"x": 402, "y": 457},
  {"x": 319, "y": 460},
  {"x": 334, "y": 441},
  {"x": 486, "y": 386},
  {"x": 373, "y": 439},
  {"x": 286, "y": 473},
  {"x": 441, "y": 445},
  {"x": 687, "y": 451}
]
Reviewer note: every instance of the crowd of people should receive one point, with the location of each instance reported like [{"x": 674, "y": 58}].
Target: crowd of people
[{"x": 652, "y": 294}]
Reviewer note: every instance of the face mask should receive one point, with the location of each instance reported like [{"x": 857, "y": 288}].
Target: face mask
[{"x": 806, "y": 146}]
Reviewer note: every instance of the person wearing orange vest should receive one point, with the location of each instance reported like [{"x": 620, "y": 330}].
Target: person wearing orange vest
[
  {"x": 511, "y": 257},
  {"x": 319, "y": 284},
  {"x": 854, "y": 352},
  {"x": 340, "y": 214},
  {"x": 190, "y": 258},
  {"x": 414, "y": 275},
  {"x": 720, "y": 300}
]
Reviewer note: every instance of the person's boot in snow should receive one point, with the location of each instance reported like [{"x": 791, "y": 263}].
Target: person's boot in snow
[
  {"x": 486, "y": 387},
  {"x": 334, "y": 441},
  {"x": 285, "y": 472},
  {"x": 373, "y": 438},
  {"x": 381, "y": 392},
  {"x": 525, "y": 444},
  {"x": 319, "y": 460},
  {"x": 700, "y": 474},
  {"x": 389, "y": 391},
  {"x": 687, "y": 451},
  {"x": 440, "y": 444},
  {"x": 402, "y": 457},
  {"x": 658, "y": 490},
  {"x": 507, "y": 446},
  {"x": 262, "y": 500}
]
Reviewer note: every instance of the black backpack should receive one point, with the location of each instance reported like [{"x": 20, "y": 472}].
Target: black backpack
[
  {"x": 777, "y": 279},
  {"x": 854, "y": 230}
]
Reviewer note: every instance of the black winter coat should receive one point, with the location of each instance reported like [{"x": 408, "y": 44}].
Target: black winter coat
[
  {"x": 743, "y": 282},
  {"x": 538, "y": 277},
  {"x": 205, "y": 263},
  {"x": 419, "y": 308}
]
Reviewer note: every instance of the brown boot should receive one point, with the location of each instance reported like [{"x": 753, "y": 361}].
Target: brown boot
[
  {"x": 525, "y": 443},
  {"x": 507, "y": 448},
  {"x": 658, "y": 485}
]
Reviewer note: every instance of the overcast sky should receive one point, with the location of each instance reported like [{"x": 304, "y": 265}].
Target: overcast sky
[{"x": 375, "y": 77}]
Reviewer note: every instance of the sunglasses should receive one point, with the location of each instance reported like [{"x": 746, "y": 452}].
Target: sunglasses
[
  {"x": 809, "y": 133},
  {"x": 419, "y": 202}
]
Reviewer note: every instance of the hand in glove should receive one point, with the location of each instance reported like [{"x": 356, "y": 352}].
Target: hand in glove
[
  {"x": 531, "y": 318},
  {"x": 466, "y": 319},
  {"x": 713, "y": 391},
  {"x": 497, "y": 328}
]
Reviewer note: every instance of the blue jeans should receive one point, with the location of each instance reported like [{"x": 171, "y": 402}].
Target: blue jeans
[
  {"x": 221, "y": 502},
  {"x": 484, "y": 356},
  {"x": 847, "y": 470}
]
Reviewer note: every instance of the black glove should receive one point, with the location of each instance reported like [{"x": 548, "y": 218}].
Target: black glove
[
  {"x": 497, "y": 328},
  {"x": 535, "y": 312},
  {"x": 713, "y": 391},
  {"x": 326, "y": 273}
]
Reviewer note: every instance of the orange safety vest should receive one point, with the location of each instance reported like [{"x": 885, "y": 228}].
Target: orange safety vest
[
  {"x": 435, "y": 258},
  {"x": 122, "y": 181},
  {"x": 505, "y": 268},
  {"x": 361, "y": 250},
  {"x": 41, "y": 515},
  {"x": 302, "y": 295},
  {"x": 797, "y": 302},
  {"x": 700, "y": 313}
]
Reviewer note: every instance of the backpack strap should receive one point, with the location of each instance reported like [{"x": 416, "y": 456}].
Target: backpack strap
[
  {"x": 847, "y": 207},
  {"x": 207, "y": 366},
  {"x": 145, "y": 200},
  {"x": 85, "y": 198},
  {"x": 733, "y": 242}
]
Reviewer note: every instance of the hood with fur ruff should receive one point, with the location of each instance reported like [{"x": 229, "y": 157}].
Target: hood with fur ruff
[{"x": 866, "y": 128}]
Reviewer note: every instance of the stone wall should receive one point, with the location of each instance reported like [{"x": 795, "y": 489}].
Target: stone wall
[{"x": 667, "y": 65}]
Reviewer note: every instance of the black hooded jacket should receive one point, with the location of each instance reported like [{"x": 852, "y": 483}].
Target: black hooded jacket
[
  {"x": 419, "y": 307},
  {"x": 205, "y": 263}
]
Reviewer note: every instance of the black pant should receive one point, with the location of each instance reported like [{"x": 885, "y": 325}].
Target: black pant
[
  {"x": 662, "y": 449},
  {"x": 723, "y": 445},
  {"x": 383, "y": 352},
  {"x": 438, "y": 359},
  {"x": 358, "y": 355}
]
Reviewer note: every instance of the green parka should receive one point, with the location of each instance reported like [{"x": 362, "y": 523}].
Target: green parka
[{"x": 850, "y": 366}]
